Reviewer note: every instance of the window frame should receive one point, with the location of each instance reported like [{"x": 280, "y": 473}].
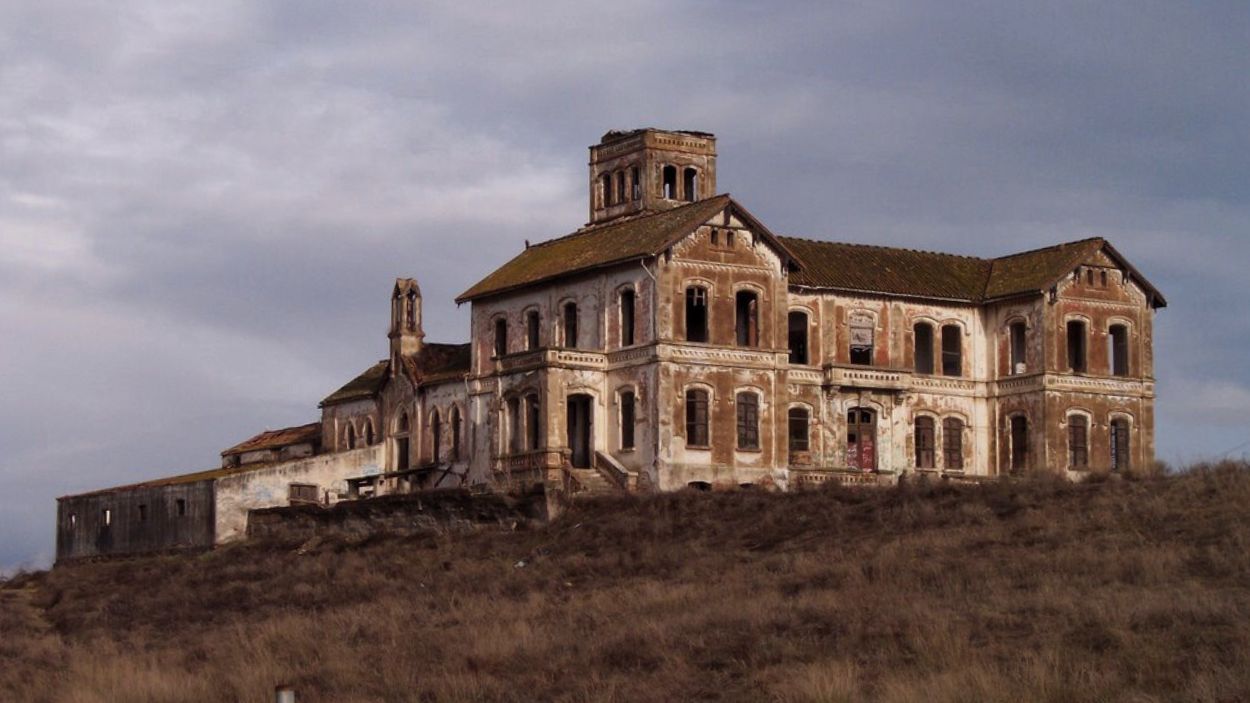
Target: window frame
[
  {"x": 694, "y": 398},
  {"x": 748, "y": 415}
]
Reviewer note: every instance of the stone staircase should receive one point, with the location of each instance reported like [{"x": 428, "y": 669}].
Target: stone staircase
[{"x": 591, "y": 482}]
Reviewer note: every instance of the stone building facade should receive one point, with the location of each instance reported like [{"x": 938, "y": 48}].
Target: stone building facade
[{"x": 675, "y": 341}]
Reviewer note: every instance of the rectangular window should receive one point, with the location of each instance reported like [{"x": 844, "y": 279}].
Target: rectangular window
[
  {"x": 1117, "y": 340},
  {"x": 1119, "y": 445},
  {"x": 501, "y": 337},
  {"x": 799, "y": 438},
  {"x": 570, "y": 325},
  {"x": 627, "y": 420},
  {"x": 747, "y": 320},
  {"x": 514, "y": 426},
  {"x": 143, "y": 513},
  {"x": 181, "y": 506},
  {"x": 952, "y": 351},
  {"x": 696, "y": 418},
  {"x": 748, "y": 421},
  {"x": 1018, "y": 362},
  {"x": 925, "y": 443},
  {"x": 303, "y": 493},
  {"x": 533, "y": 422},
  {"x": 696, "y": 314},
  {"x": 635, "y": 182},
  {"x": 1078, "y": 442},
  {"x": 798, "y": 337},
  {"x": 862, "y": 333},
  {"x": 1019, "y": 443},
  {"x": 1076, "y": 346},
  {"x": 627, "y": 318},
  {"x": 532, "y": 322},
  {"x": 922, "y": 335},
  {"x": 108, "y": 517},
  {"x": 952, "y": 443}
]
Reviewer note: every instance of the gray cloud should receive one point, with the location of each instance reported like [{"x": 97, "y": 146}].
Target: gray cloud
[{"x": 202, "y": 204}]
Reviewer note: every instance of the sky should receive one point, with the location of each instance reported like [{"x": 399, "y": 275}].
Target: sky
[{"x": 203, "y": 205}]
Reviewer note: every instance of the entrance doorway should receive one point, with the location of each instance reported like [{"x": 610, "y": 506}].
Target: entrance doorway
[
  {"x": 580, "y": 423},
  {"x": 861, "y": 439}
]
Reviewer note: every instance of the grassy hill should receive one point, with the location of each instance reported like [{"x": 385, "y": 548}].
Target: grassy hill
[{"x": 1134, "y": 590}]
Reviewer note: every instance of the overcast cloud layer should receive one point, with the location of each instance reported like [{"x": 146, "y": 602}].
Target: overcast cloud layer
[{"x": 203, "y": 205}]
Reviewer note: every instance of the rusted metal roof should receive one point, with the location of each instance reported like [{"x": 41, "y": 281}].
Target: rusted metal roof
[
  {"x": 276, "y": 439},
  {"x": 591, "y": 247}
]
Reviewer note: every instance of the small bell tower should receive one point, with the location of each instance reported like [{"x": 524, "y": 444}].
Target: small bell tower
[
  {"x": 406, "y": 334},
  {"x": 647, "y": 170}
]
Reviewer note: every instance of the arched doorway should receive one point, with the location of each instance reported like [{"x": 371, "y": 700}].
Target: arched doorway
[
  {"x": 861, "y": 439},
  {"x": 580, "y": 425}
]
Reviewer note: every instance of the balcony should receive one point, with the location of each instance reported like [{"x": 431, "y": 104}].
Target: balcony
[
  {"x": 564, "y": 358},
  {"x": 867, "y": 377}
]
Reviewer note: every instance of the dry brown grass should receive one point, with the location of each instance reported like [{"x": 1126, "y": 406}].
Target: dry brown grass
[{"x": 1112, "y": 591}]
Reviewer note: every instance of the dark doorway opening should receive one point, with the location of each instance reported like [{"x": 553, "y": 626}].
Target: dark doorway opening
[{"x": 580, "y": 421}]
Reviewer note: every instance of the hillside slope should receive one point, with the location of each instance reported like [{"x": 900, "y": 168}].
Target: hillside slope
[{"x": 1123, "y": 590}]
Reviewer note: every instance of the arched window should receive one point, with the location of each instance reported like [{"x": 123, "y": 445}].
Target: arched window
[
  {"x": 697, "y": 434},
  {"x": 748, "y": 406},
  {"x": 952, "y": 350},
  {"x": 436, "y": 437},
  {"x": 351, "y": 436},
  {"x": 501, "y": 337},
  {"x": 747, "y": 318},
  {"x": 696, "y": 314},
  {"x": 922, "y": 334},
  {"x": 797, "y": 326},
  {"x": 1019, "y": 443},
  {"x": 628, "y": 419},
  {"x": 368, "y": 433},
  {"x": 533, "y": 422},
  {"x": 1018, "y": 354},
  {"x": 1076, "y": 345},
  {"x": 627, "y": 317},
  {"x": 1120, "y": 447},
  {"x": 799, "y": 420},
  {"x": 1078, "y": 442},
  {"x": 669, "y": 191},
  {"x": 1117, "y": 349},
  {"x": 620, "y": 187},
  {"x": 925, "y": 442},
  {"x": 690, "y": 182},
  {"x": 455, "y": 433},
  {"x": 635, "y": 182},
  {"x": 532, "y": 322},
  {"x": 570, "y": 325},
  {"x": 411, "y": 312},
  {"x": 952, "y": 443},
  {"x": 605, "y": 190}
]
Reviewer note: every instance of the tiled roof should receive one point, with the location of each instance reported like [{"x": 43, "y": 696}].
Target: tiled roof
[
  {"x": 366, "y": 385},
  {"x": 887, "y": 270},
  {"x": 894, "y": 271},
  {"x": 438, "y": 362},
  {"x": 597, "y": 245},
  {"x": 276, "y": 439}
]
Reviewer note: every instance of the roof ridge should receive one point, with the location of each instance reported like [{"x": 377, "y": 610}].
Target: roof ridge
[
  {"x": 631, "y": 217},
  {"x": 886, "y": 247},
  {"x": 1051, "y": 247}
]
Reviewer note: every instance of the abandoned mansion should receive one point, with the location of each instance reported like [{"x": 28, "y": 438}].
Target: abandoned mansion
[{"x": 674, "y": 341}]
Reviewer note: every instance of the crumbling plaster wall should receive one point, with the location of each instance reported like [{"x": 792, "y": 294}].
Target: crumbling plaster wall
[
  {"x": 335, "y": 419},
  {"x": 269, "y": 486}
]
